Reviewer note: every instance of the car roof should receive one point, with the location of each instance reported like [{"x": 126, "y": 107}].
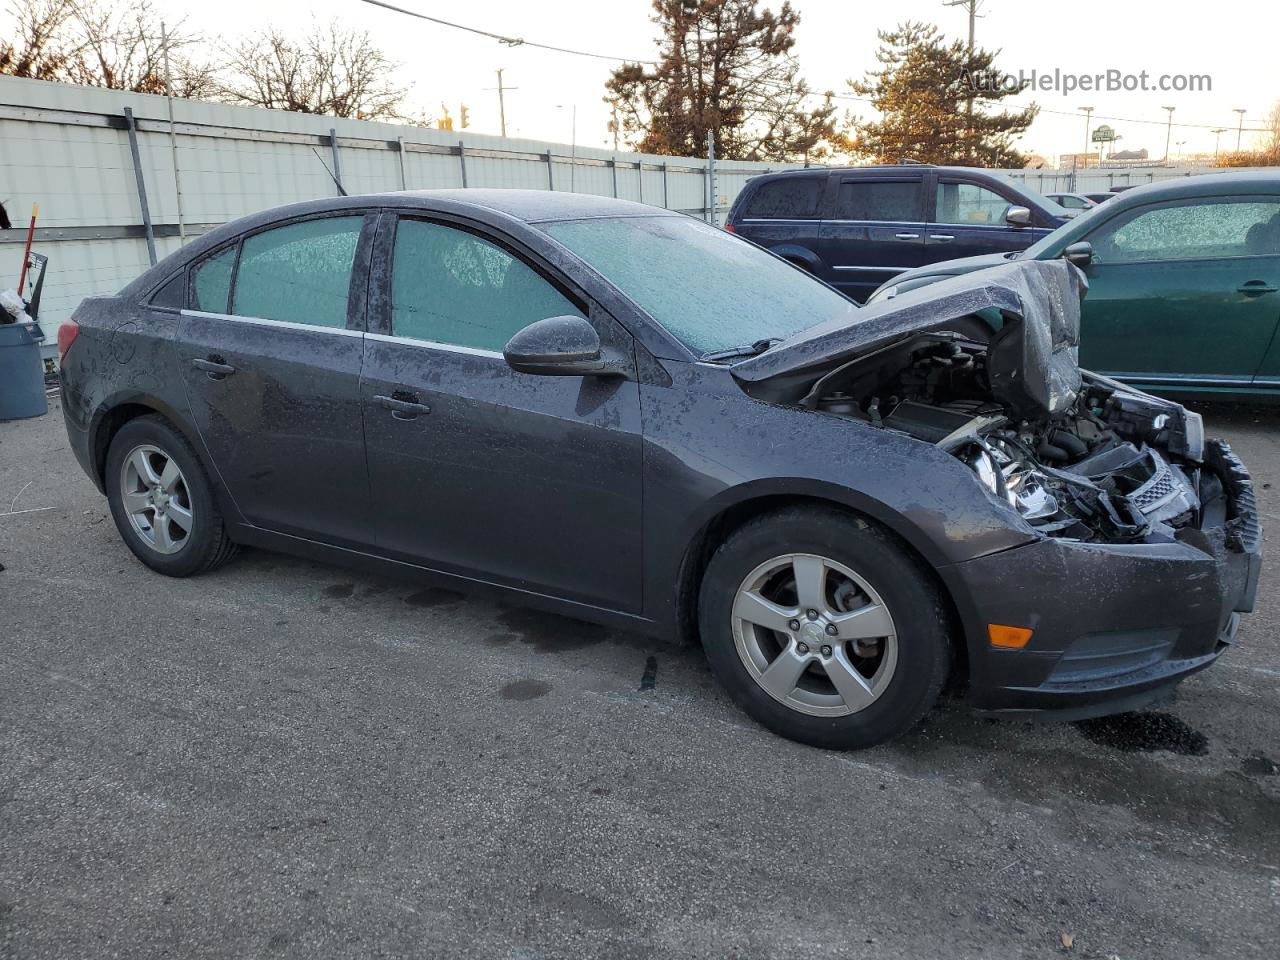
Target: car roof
[
  {"x": 1200, "y": 185},
  {"x": 493, "y": 207}
]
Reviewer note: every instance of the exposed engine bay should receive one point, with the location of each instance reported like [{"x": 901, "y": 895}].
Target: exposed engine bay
[{"x": 1076, "y": 455}]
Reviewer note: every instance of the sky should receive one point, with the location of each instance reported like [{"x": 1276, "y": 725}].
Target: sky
[{"x": 1230, "y": 41}]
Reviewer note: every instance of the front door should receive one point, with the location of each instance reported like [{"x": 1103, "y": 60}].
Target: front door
[
  {"x": 872, "y": 229},
  {"x": 271, "y": 346},
  {"x": 528, "y": 481},
  {"x": 969, "y": 221},
  {"x": 1186, "y": 292}
]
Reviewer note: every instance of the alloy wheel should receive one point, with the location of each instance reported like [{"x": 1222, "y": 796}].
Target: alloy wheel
[
  {"x": 814, "y": 635},
  {"x": 155, "y": 497}
]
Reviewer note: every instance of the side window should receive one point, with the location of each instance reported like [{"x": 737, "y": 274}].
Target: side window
[
  {"x": 1192, "y": 231},
  {"x": 878, "y": 200},
  {"x": 451, "y": 286},
  {"x": 790, "y": 198},
  {"x": 211, "y": 281},
  {"x": 969, "y": 203},
  {"x": 172, "y": 294},
  {"x": 300, "y": 273}
]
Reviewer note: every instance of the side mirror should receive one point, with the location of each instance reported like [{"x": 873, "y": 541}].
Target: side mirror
[
  {"x": 1080, "y": 253},
  {"x": 565, "y": 346},
  {"x": 1016, "y": 216}
]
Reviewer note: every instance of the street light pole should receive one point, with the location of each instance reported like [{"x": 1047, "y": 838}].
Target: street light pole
[
  {"x": 1088, "y": 116},
  {"x": 1168, "y": 134},
  {"x": 1217, "y": 135},
  {"x": 1240, "y": 129}
]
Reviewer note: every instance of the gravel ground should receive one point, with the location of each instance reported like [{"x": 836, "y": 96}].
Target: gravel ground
[{"x": 284, "y": 759}]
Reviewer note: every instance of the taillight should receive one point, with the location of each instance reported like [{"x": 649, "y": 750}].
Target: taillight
[
  {"x": 730, "y": 228},
  {"x": 67, "y": 334}
]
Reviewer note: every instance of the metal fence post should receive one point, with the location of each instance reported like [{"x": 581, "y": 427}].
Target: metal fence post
[
  {"x": 142, "y": 186},
  {"x": 614, "y": 164},
  {"x": 404, "y": 181},
  {"x": 337, "y": 164},
  {"x": 666, "y": 203},
  {"x": 462, "y": 161},
  {"x": 711, "y": 176},
  {"x": 640, "y": 178},
  {"x": 551, "y": 173}
]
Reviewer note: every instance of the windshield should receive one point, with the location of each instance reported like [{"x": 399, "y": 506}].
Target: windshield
[{"x": 711, "y": 290}]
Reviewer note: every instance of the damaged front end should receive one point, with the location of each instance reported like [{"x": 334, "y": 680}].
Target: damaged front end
[
  {"x": 1078, "y": 456},
  {"x": 1144, "y": 545}
]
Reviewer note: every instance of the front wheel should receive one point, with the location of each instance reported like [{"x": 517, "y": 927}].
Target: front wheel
[{"x": 823, "y": 628}]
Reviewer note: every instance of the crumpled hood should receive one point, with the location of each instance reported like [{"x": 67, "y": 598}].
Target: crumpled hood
[{"x": 1034, "y": 356}]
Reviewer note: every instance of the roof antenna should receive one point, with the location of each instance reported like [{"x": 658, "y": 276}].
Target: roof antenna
[{"x": 336, "y": 182}]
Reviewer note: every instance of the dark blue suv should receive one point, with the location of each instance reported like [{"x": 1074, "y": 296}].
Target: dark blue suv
[{"x": 857, "y": 227}]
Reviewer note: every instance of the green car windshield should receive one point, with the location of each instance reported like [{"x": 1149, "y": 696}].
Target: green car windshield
[{"x": 709, "y": 289}]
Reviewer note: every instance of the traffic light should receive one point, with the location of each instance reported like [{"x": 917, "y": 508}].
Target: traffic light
[
  {"x": 446, "y": 121},
  {"x": 464, "y": 116}
]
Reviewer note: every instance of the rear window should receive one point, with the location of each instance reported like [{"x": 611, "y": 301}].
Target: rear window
[
  {"x": 897, "y": 200},
  {"x": 790, "y": 198}
]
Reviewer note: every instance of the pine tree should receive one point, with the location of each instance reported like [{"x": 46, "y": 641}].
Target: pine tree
[
  {"x": 922, "y": 90},
  {"x": 725, "y": 66}
]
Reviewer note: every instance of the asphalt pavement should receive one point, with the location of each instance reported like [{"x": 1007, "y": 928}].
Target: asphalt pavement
[{"x": 284, "y": 759}]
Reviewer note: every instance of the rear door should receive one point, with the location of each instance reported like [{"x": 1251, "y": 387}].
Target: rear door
[
  {"x": 271, "y": 345},
  {"x": 872, "y": 229},
  {"x": 1185, "y": 292},
  {"x": 968, "y": 220},
  {"x": 532, "y": 482},
  {"x": 782, "y": 214}
]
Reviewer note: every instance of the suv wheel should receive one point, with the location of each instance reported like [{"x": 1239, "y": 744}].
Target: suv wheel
[
  {"x": 162, "y": 502},
  {"x": 823, "y": 629}
]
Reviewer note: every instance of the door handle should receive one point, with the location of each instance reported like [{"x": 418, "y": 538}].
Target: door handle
[
  {"x": 1255, "y": 288},
  {"x": 213, "y": 368},
  {"x": 403, "y": 405},
  {"x": 942, "y": 237},
  {"x": 907, "y": 236}
]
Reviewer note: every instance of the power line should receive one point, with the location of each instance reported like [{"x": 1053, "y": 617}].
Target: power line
[{"x": 502, "y": 38}]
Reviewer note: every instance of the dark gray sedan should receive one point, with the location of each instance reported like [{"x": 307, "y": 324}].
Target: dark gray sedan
[{"x": 624, "y": 415}]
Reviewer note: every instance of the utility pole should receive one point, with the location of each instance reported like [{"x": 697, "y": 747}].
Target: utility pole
[
  {"x": 1240, "y": 129},
  {"x": 1168, "y": 133},
  {"x": 1088, "y": 116},
  {"x": 173, "y": 137},
  {"x": 972, "y": 6},
  {"x": 1216, "y": 136},
  {"x": 502, "y": 105}
]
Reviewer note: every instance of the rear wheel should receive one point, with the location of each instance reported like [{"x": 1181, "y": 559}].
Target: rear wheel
[
  {"x": 823, "y": 629},
  {"x": 162, "y": 501}
]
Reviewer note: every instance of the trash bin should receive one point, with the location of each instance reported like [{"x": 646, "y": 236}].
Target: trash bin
[{"x": 21, "y": 372}]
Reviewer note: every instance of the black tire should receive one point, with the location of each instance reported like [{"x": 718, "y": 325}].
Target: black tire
[
  {"x": 918, "y": 612},
  {"x": 207, "y": 545}
]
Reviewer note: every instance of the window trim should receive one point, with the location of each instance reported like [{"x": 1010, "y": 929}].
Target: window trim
[
  {"x": 193, "y": 267},
  {"x": 818, "y": 207},
  {"x": 1123, "y": 217},
  {"x": 995, "y": 188},
  {"x": 832, "y": 199},
  {"x": 380, "y": 325},
  {"x": 356, "y": 290}
]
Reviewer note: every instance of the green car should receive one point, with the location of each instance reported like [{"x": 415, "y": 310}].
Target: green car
[{"x": 1184, "y": 283}]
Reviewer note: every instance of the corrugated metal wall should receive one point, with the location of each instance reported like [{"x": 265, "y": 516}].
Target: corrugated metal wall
[{"x": 67, "y": 148}]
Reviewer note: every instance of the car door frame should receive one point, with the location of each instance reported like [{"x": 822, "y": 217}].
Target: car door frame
[
  {"x": 936, "y": 231},
  {"x": 614, "y": 332},
  {"x": 859, "y": 280},
  {"x": 1189, "y": 381},
  {"x": 353, "y": 327}
]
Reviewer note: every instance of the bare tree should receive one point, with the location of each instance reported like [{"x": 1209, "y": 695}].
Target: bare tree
[
  {"x": 35, "y": 47},
  {"x": 85, "y": 42},
  {"x": 330, "y": 71}
]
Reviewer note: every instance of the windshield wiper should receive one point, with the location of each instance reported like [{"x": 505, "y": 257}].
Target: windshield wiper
[{"x": 746, "y": 350}]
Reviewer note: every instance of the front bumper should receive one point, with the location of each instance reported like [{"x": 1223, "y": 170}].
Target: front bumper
[{"x": 1113, "y": 625}]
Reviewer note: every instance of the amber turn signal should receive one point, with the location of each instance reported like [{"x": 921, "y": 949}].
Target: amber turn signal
[{"x": 1009, "y": 638}]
